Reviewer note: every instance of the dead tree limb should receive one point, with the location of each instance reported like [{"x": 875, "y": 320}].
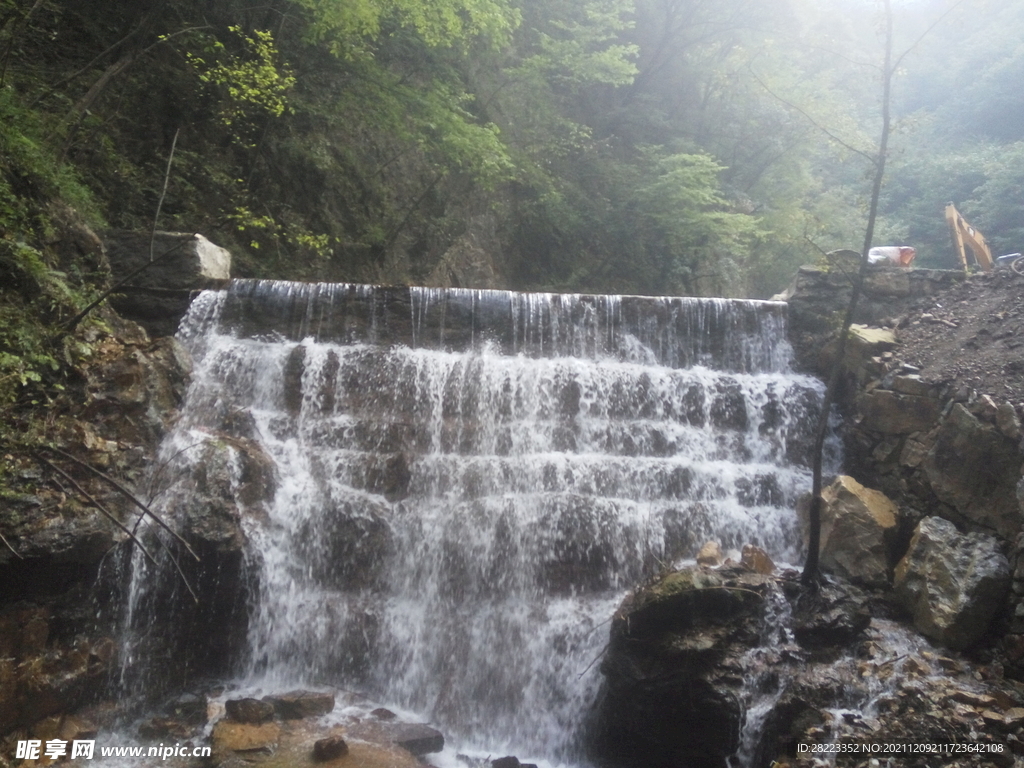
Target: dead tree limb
[
  {"x": 810, "y": 572},
  {"x": 8, "y": 545},
  {"x": 71, "y": 324},
  {"x": 163, "y": 194},
  {"x": 128, "y": 494},
  {"x": 96, "y": 503}
]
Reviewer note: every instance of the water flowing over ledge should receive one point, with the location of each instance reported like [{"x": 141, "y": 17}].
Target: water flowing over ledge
[
  {"x": 463, "y": 483},
  {"x": 727, "y": 334}
]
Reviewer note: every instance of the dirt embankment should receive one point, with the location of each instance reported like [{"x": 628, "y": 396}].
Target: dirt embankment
[{"x": 971, "y": 336}]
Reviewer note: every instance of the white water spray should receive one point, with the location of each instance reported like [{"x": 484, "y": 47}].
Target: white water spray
[{"x": 469, "y": 480}]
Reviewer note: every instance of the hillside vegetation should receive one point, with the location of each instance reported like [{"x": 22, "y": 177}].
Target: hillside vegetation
[{"x": 633, "y": 146}]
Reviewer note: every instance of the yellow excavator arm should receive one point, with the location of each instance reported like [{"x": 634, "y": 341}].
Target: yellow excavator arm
[{"x": 963, "y": 233}]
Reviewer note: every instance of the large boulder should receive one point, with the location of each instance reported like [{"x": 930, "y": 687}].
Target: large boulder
[
  {"x": 896, "y": 413},
  {"x": 296, "y": 705},
  {"x": 974, "y": 468},
  {"x": 672, "y": 695},
  {"x": 858, "y": 530},
  {"x": 176, "y": 264},
  {"x": 417, "y": 738},
  {"x": 952, "y": 584}
]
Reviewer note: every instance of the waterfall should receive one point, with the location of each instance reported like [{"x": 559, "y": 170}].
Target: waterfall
[{"x": 466, "y": 482}]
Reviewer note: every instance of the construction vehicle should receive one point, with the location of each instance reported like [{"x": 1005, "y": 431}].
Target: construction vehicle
[{"x": 963, "y": 233}]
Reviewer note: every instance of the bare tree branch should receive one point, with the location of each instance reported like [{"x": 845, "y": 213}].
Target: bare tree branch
[
  {"x": 810, "y": 572},
  {"x": 163, "y": 194},
  {"x": 128, "y": 494},
  {"x": 96, "y": 503},
  {"x": 870, "y": 158},
  {"x": 8, "y": 544}
]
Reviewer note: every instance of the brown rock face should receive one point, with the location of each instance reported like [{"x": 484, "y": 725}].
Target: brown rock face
[
  {"x": 974, "y": 468},
  {"x": 757, "y": 560},
  {"x": 251, "y": 711},
  {"x": 330, "y": 748},
  {"x": 243, "y": 737},
  {"x": 897, "y": 414},
  {"x": 953, "y": 584},
  {"x": 858, "y": 527},
  {"x": 39, "y": 679},
  {"x": 710, "y": 554}
]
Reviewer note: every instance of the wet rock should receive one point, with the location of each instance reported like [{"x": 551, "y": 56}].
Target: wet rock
[
  {"x": 347, "y": 543},
  {"x": 165, "y": 727},
  {"x": 244, "y": 737},
  {"x": 711, "y": 554},
  {"x": 858, "y": 531},
  {"x": 757, "y": 560},
  {"x": 383, "y": 714},
  {"x": 762, "y": 489},
  {"x": 296, "y": 705},
  {"x": 291, "y": 376},
  {"x": 581, "y": 550},
  {"x": 952, "y": 584},
  {"x": 330, "y": 748},
  {"x": 830, "y": 617},
  {"x": 253, "y": 711},
  {"x": 227, "y": 470},
  {"x": 417, "y": 738},
  {"x": 189, "y": 708},
  {"x": 728, "y": 409},
  {"x": 672, "y": 672},
  {"x": 392, "y": 478},
  {"x": 974, "y": 468}
]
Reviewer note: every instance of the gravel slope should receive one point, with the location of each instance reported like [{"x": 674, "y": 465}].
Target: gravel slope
[{"x": 972, "y": 335}]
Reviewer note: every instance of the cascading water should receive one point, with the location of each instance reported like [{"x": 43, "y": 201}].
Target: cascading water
[{"x": 467, "y": 481}]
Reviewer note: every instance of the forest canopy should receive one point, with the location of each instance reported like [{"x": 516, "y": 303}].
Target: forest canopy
[{"x": 642, "y": 146}]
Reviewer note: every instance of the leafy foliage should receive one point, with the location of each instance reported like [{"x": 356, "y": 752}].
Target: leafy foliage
[
  {"x": 625, "y": 145},
  {"x": 349, "y": 26},
  {"x": 255, "y": 85}
]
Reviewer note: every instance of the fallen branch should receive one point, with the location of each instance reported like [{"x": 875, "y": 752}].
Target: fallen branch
[
  {"x": 71, "y": 324},
  {"x": 163, "y": 194},
  {"x": 118, "y": 523},
  {"x": 8, "y": 544},
  {"x": 96, "y": 503},
  {"x": 129, "y": 495}
]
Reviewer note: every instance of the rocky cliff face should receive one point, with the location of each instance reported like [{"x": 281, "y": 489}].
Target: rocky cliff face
[
  {"x": 932, "y": 399},
  {"x": 56, "y": 617},
  {"x": 68, "y": 509}
]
